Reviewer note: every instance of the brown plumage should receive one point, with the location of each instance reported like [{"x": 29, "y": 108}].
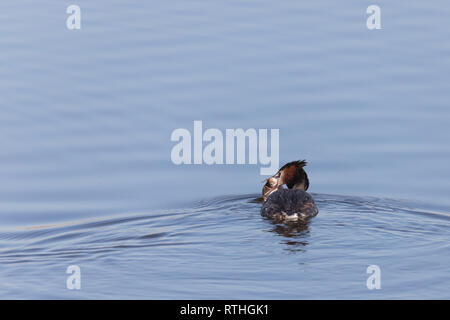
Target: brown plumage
[
  {"x": 294, "y": 203},
  {"x": 293, "y": 175},
  {"x": 289, "y": 205}
]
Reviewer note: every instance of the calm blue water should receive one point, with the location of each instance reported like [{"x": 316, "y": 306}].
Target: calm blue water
[{"x": 86, "y": 176}]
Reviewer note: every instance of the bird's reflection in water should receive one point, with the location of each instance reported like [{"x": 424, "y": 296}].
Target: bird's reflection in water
[{"x": 294, "y": 235}]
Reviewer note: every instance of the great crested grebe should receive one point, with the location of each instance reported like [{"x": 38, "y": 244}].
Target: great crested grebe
[{"x": 292, "y": 204}]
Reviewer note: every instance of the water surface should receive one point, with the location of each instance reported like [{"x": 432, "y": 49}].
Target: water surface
[{"x": 85, "y": 124}]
